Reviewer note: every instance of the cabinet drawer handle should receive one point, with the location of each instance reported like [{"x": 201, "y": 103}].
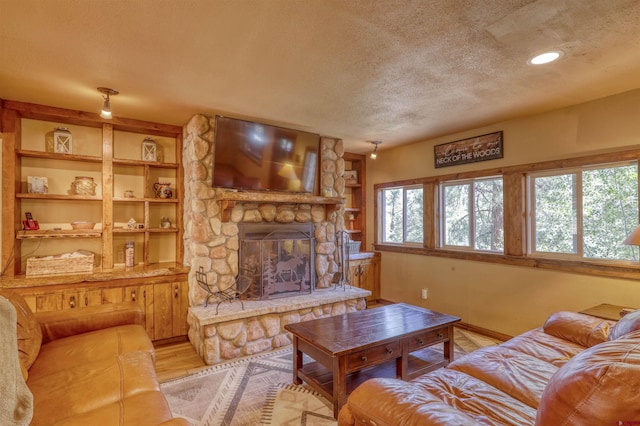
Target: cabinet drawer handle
[
  {"x": 440, "y": 335},
  {"x": 420, "y": 341},
  {"x": 175, "y": 293},
  {"x": 389, "y": 350},
  {"x": 86, "y": 301},
  {"x": 133, "y": 295},
  {"x": 72, "y": 301},
  {"x": 363, "y": 358}
]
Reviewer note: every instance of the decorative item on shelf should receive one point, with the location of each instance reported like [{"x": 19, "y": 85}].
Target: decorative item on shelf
[
  {"x": 165, "y": 222},
  {"x": 62, "y": 141},
  {"x": 132, "y": 224},
  {"x": 129, "y": 254},
  {"x": 354, "y": 246},
  {"x": 83, "y": 225},
  {"x": 163, "y": 190},
  {"x": 350, "y": 177},
  {"x": 149, "y": 150},
  {"x": 80, "y": 261},
  {"x": 37, "y": 185},
  {"x": 351, "y": 219},
  {"x": 84, "y": 185},
  {"x": 128, "y": 193}
]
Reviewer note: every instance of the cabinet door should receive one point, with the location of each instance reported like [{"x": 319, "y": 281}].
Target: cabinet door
[
  {"x": 354, "y": 272},
  {"x": 142, "y": 295},
  {"x": 57, "y": 301},
  {"x": 112, "y": 295},
  {"x": 163, "y": 295},
  {"x": 180, "y": 308},
  {"x": 89, "y": 297}
]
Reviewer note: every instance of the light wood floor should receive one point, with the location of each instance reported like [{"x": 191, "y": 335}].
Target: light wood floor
[{"x": 177, "y": 359}]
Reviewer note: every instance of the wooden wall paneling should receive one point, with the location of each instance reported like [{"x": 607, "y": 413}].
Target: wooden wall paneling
[{"x": 515, "y": 228}]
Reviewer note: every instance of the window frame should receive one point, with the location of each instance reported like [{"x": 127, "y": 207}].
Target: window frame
[
  {"x": 442, "y": 217},
  {"x": 579, "y": 202},
  {"x": 382, "y": 214}
]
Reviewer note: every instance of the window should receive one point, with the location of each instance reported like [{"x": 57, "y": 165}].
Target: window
[
  {"x": 402, "y": 215},
  {"x": 586, "y": 212},
  {"x": 473, "y": 214}
]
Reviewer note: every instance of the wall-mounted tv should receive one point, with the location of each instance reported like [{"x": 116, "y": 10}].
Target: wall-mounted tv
[{"x": 255, "y": 156}]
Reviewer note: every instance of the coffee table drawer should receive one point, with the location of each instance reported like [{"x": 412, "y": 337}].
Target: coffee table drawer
[
  {"x": 428, "y": 338},
  {"x": 373, "y": 356}
]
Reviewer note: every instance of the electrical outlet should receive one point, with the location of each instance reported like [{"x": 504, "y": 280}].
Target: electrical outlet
[{"x": 424, "y": 294}]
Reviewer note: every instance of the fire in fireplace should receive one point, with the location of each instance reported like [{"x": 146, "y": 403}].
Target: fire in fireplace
[{"x": 279, "y": 259}]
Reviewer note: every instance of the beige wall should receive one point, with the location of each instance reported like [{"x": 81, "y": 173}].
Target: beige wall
[{"x": 509, "y": 299}]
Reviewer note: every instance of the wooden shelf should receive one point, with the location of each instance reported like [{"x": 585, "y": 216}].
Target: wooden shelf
[
  {"x": 58, "y": 233},
  {"x": 59, "y": 197},
  {"x": 57, "y": 156},
  {"x": 278, "y": 197},
  {"x": 142, "y": 200},
  {"x": 137, "y": 230},
  {"x": 127, "y": 162}
]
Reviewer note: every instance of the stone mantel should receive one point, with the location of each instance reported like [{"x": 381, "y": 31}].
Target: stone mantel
[{"x": 228, "y": 199}]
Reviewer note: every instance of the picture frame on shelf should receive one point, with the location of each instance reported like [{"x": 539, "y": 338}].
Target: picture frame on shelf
[
  {"x": 37, "y": 185},
  {"x": 350, "y": 177}
]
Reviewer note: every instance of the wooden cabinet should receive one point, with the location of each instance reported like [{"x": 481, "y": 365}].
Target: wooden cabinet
[
  {"x": 355, "y": 195},
  {"x": 163, "y": 299},
  {"x": 364, "y": 272},
  {"x": 106, "y": 152}
]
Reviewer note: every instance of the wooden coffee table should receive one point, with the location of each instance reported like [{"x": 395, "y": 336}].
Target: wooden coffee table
[{"x": 389, "y": 341}]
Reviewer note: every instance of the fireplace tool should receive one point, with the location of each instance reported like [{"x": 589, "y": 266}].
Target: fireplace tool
[
  {"x": 241, "y": 283},
  {"x": 341, "y": 278}
]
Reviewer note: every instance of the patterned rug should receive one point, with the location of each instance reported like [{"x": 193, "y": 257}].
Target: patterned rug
[{"x": 258, "y": 391}]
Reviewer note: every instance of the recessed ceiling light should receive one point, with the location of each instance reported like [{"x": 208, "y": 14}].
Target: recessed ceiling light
[{"x": 545, "y": 58}]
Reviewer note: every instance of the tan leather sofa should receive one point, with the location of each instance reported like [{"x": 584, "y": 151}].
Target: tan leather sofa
[
  {"x": 575, "y": 370},
  {"x": 89, "y": 366}
]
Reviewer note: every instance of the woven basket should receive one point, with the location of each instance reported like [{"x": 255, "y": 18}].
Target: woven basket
[
  {"x": 354, "y": 246},
  {"x": 81, "y": 261}
]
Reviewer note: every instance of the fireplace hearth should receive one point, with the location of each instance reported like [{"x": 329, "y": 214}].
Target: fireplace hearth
[{"x": 278, "y": 259}]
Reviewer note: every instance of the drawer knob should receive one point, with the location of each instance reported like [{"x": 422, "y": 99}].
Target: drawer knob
[
  {"x": 420, "y": 341},
  {"x": 440, "y": 335},
  {"x": 363, "y": 358},
  {"x": 389, "y": 350}
]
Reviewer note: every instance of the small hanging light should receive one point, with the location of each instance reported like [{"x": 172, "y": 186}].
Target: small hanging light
[
  {"x": 106, "y": 106},
  {"x": 374, "y": 153}
]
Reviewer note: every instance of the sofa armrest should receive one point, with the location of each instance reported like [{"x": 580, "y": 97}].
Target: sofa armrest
[
  {"x": 577, "y": 328},
  {"x": 69, "y": 322}
]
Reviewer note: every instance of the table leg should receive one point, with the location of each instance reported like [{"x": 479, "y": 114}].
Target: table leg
[
  {"x": 339, "y": 384},
  {"x": 297, "y": 361},
  {"x": 448, "y": 347}
]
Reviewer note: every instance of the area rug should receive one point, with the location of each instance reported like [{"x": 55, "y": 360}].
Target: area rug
[{"x": 258, "y": 391}]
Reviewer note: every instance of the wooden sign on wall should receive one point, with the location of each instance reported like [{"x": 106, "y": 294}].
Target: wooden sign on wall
[{"x": 471, "y": 150}]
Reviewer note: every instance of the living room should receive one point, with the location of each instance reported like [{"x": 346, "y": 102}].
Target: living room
[{"x": 374, "y": 78}]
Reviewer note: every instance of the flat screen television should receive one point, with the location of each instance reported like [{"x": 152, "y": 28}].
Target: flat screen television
[{"x": 255, "y": 156}]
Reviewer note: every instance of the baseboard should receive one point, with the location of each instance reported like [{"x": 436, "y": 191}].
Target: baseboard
[{"x": 484, "y": 331}]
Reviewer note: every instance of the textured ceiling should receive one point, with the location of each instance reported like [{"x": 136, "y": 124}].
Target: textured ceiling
[{"x": 396, "y": 71}]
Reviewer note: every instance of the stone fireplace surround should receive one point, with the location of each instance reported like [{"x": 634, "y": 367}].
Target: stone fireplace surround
[{"x": 211, "y": 240}]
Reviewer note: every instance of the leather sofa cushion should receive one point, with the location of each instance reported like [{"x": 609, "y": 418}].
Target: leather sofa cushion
[
  {"x": 627, "y": 324},
  {"x": 585, "y": 330},
  {"x": 597, "y": 387},
  {"x": 73, "y": 351},
  {"x": 146, "y": 408},
  {"x": 519, "y": 375},
  {"x": 29, "y": 332},
  {"x": 543, "y": 346},
  {"x": 482, "y": 402},
  {"x": 86, "y": 386}
]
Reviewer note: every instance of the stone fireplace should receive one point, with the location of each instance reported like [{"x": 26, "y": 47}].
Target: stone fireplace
[
  {"x": 217, "y": 223},
  {"x": 278, "y": 259}
]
